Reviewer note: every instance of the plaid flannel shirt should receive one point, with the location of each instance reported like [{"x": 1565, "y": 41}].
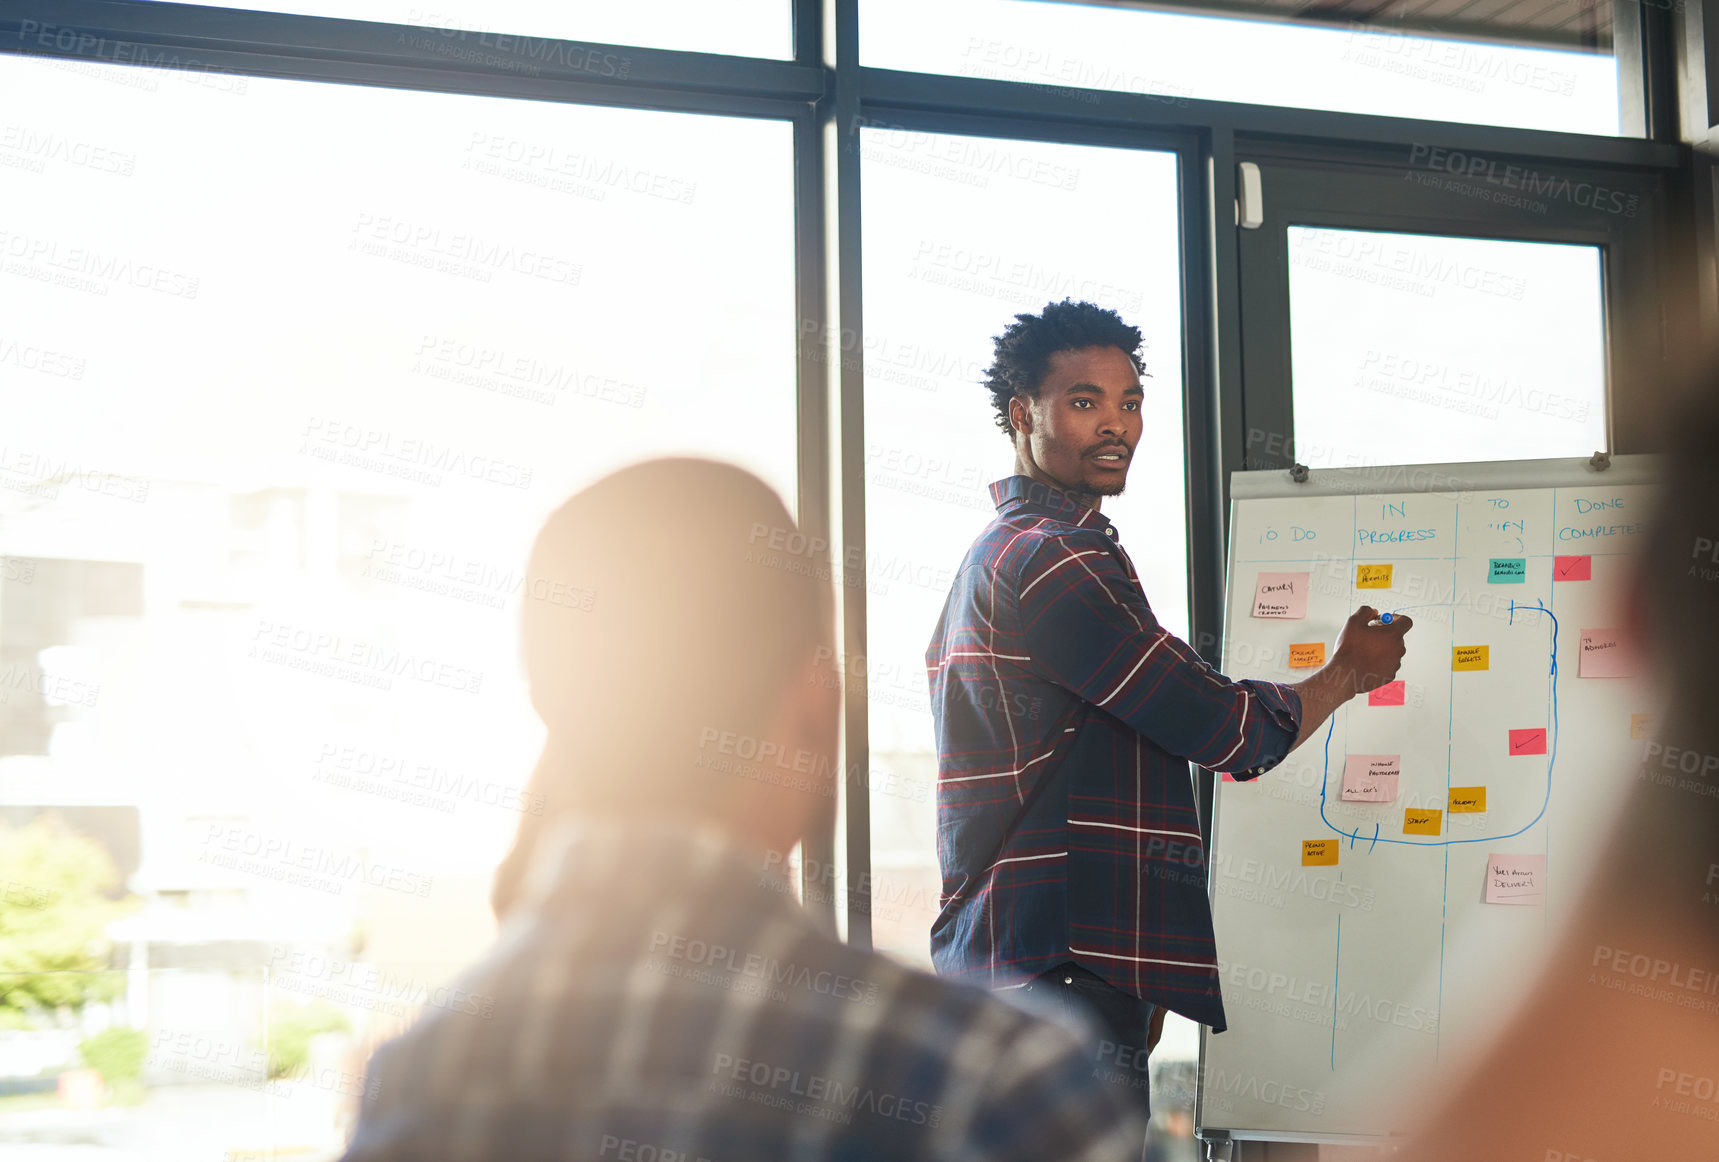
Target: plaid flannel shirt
[
  {"x": 1065, "y": 718},
  {"x": 665, "y": 997}
]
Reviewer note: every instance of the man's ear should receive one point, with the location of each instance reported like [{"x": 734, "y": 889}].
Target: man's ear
[
  {"x": 805, "y": 725},
  {"x": 808, "y": 712},
  {"x": 1020, "y": 416}
]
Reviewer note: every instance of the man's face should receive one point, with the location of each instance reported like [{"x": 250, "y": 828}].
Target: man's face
[{"x": 1080, "y": 433}]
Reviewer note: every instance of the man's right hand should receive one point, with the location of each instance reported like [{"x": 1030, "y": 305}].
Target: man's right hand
[
  {"x": 1367, "y": 656},
  {"x": 1371, "y": 654}
]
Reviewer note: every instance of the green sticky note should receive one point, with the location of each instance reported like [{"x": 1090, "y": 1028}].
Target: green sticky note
[{"x": 1508, "y": 570}]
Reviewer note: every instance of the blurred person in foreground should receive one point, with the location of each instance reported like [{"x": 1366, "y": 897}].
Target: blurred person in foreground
[
  {"x": 1616, "y": 1056},
  {"x": 659, "y": 995}
]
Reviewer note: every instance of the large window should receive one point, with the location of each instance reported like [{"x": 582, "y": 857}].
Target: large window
[
  {"x": 1420, "y": 348},
  {"x": 464, "y": 29},
  {"x": 292, "y": 373},
  {"x": 962, "y": 234},
  {"x": 1542, "y": 76}
]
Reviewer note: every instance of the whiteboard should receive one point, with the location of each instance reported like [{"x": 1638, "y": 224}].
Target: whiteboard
[{"x": 1357, "y": 951}]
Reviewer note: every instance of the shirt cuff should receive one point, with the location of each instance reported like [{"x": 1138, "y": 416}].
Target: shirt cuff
[{"x": 1282, "y": 706}]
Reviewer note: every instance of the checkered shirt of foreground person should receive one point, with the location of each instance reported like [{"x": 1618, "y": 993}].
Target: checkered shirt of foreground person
[
  {"x": 1048, "y": 658},
  {"x": 666, "y": 997}
]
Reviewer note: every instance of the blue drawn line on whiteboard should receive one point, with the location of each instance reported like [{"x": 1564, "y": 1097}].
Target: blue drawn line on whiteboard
[
  {"x": 1336, "y": 963},
  {"x": 1551, "y": 756},
  {"x": 1375, "y": 842}
]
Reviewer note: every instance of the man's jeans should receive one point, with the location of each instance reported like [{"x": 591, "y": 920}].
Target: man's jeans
[{"x": 1121, "y": 1019}]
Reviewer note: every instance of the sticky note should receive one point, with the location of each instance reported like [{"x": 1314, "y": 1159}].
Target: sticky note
[
  {"x": 1280, "y": 595},
  {"x": 1306, "y": 654},
  {"x": 1470, "y": 657},
  {"x": 1390, "y": 694},
  {"x": 1605, "y": 654},
  {"x": 1372, "y": 576},
  {"x": 1467, "y": 800},
  {"x": 1515, "y": 879},
  {"x": 1508, "y": 571},
  {"x": 1640, "y": 725},
  {"x": 1318, "y": 853},
  {"x": 1422, "y": 821},
  {"x": 1371, "y": 778},
  {"x": 1572, "y": 568},
  {"x": 1529, "y": 741}
]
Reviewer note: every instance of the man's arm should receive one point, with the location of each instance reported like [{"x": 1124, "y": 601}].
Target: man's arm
[
  {"x": 1366, "y": 657},
  {"x": 1087, "y": 627}
]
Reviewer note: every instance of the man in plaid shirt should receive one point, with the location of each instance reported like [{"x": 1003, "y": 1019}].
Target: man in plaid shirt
[
  {"x": 1066, "y": 717},
  {"x": 657, "y": 993}
]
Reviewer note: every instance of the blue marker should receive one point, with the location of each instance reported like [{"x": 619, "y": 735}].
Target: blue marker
[{"x": 1385, "y": 618}]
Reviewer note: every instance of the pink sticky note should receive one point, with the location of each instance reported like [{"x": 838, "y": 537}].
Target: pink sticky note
[
  {"x": 1390, "y": 694},
  {"x": 1282, "y": 595},
  {"x": 1371, "y": 778},
  {"x": 1516, "y": 879},
  {"x": 1605, "y": 654},
  {"x": 1530, "y": 741},
  {"x": 1229, "y": 778},
  {"x": 1572, "y": 568}
]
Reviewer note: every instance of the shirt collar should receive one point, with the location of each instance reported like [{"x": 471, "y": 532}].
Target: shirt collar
[
  {"x": 1013, "y": 492},
  {"x": 579, "y": 857}
]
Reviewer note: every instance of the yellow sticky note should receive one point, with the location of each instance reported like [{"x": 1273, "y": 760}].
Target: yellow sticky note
[
  {"x": 1640, "y": 725},
  {"x": 1470, "y": 657},
  {"x": 1417, "y": 821},
  {"x": 1306, "y": 654},
  {"x": 1465, "y": 800},
  {"x": 1319, "y": 853},
  {"x": 1372, "y": 576}
]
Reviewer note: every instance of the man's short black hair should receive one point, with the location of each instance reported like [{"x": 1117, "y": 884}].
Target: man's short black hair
[{"x": 1024, "y": 349}]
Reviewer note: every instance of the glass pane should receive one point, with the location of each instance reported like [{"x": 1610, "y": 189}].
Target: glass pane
[
  {"x": 291, "y": 378},
  {"x": 1428, "y": 349},
  {"x": 258, "y": 1054},
  {"x": 1177, "y": 57},
  {"x": 962, "y": 234},
  {"x": 760, "y": 28}
]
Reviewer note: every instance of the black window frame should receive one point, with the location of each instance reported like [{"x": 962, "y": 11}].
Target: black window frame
[{"x": 1667, "y": 101}]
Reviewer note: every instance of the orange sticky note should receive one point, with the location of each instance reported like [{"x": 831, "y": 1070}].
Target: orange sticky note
[
  {"x": 1423, "y": 821},
  {"x": 1372, "y": 576},
  {"x": 1470, "y": 657},
  {"x": 1640, "y": 725},
  {"x": 1306, "y": 654},
  {"x": 1318, "y": 853},
  {"x": 1467, "y": 800},
  {"x": 1572, "y": 568}
]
